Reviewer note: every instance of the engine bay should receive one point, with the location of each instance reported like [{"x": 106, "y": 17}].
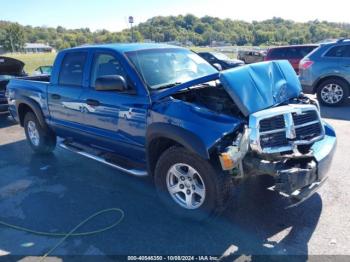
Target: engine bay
[{"x": 214, "y": 98}]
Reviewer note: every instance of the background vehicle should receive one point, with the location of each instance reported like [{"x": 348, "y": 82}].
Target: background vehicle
[
  {"x": 292, "y": 53},
  {"x": 326, "y": 72},
  {"x": 164, "y": 111},
  {"x": 43, "y": 70},
  {"x": 221, "y": 59},
  {"x": 249, "y": 57},
  {"x": 9, "y": 68}
]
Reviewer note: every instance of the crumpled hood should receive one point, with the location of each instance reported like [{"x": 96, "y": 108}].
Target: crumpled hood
[
  {"x": 252, "y": 87},
  {"x": 262, "y": 85}
]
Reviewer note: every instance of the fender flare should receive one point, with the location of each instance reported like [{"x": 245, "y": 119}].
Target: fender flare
[
  {"x": 34, "y": 106},
  {"x": 180, "y": 135}
]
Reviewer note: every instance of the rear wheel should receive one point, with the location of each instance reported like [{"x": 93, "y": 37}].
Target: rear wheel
[
  {"x": 333, "y": 92},
  {"x": 40, "y": 139},
  {"x": 189, "y": 185}
]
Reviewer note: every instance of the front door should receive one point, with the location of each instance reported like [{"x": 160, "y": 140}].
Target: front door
[{"x": 116, "y": 119}]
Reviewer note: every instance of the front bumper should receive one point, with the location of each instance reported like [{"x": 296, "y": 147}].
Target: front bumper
[
  {"x": 309, "y": 182},
  {"x": 298, "y": 178}
]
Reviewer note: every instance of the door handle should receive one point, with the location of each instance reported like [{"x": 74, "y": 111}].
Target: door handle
[
  {"x": 55, "y": 96},
  {"x": 92, "y": 102}
]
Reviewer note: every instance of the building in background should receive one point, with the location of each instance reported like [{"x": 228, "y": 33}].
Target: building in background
[{"x": 38, "y": 48}]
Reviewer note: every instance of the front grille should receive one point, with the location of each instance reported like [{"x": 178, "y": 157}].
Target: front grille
[
  {"x": 281, "y": 129},
  {"x": 308, "y": 132},
  {"x": 272, "y": 123},
  {"x": 273, "y": 140},
  {"x": 305, "y": 117}
]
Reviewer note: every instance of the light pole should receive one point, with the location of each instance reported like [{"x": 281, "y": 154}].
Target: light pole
[{"x": 131, "y": 21}]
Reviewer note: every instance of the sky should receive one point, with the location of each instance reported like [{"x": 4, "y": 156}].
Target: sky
[{"x": 113, "y": 14}]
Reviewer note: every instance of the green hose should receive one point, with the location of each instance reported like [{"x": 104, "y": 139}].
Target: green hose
[{"x": 71, "y": 233}]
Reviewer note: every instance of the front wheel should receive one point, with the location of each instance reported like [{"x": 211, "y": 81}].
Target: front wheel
[
  {"x": 333, "y": 92},
  {"x": 189, "y": 185},
  {"x": 40, "y": 139}
]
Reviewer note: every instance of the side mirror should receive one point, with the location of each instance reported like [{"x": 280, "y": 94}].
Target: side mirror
[
  {"x": 111, "y": 83},
  {"x": 218, "y": 66}
]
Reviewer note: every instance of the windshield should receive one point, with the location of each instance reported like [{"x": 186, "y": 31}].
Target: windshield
[
  {"x": 163, "y": 68},
  {"x": 221, "y": 56}
]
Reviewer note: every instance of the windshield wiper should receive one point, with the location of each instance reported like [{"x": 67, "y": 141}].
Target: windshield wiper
[{"x": 169, "y": 85}]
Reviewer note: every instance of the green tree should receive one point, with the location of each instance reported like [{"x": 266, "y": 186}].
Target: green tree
[{"x": 13, "y": 38}]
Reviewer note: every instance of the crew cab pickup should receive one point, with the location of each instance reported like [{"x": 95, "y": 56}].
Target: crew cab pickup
[{"x": 163, "y": 111}]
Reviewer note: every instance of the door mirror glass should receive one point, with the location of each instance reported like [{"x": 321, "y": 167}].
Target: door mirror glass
[{"x": 111, "y": 83}]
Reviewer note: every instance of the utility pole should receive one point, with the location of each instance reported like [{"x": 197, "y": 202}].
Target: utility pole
[
  {"x": 131, "y": 21},
  {"x": 11, "y": 42}
]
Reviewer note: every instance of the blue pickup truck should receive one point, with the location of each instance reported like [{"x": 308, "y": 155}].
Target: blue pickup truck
[{"x": 163, "y": 111}]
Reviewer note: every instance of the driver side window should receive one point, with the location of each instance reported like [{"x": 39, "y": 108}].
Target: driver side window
[{"x": 106, "y": 65}]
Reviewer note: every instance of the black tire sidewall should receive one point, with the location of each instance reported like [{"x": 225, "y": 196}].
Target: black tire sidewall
[
  {"x": 343, "y": 84},
  {"x": 46, "y": 141},
  {"x": 176, "y": 155}
]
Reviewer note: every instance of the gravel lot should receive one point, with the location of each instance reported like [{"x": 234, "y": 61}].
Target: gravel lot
[{"x": 56, "y": 192}]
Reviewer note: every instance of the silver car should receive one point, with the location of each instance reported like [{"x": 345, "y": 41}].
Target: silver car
[{"x": 326, "y": 72}]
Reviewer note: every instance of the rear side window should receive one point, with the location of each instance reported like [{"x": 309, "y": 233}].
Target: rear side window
[
  {"x": 291, "y": 52},
  {"x": 304, "y": 51},
  {"x": 72, "y": 69},
  {"x": 339, "y": 51},
  {"x": 277, "y": 53}
]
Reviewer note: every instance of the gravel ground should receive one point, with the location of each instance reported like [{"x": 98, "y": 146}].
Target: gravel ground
[{"x": 56, "y": 192}]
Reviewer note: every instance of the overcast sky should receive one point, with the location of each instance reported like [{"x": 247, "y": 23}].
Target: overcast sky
[{"x": 112, "y": 14}]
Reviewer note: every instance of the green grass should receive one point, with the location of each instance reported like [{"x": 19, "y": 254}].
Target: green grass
[{"x": 33, "y": 61}]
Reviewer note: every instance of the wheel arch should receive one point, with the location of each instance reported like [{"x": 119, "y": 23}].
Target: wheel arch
[
  {"x": 325, "y": 78},
  {"x": 25, "y": 105},
  {"x": 162, "y": 136}
]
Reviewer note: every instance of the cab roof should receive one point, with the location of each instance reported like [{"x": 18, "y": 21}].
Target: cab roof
[{"x": 128, "y": 47}]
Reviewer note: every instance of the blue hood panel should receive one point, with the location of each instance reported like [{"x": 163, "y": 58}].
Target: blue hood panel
[{"x": 262, "y": 85}]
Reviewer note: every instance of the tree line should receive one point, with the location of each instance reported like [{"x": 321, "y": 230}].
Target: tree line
[{"x": 184, "y": 29}]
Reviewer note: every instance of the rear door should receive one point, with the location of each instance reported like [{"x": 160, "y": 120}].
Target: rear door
[
  {"x": 336, "y": 61},
  {"x": 64, "y": 94},
  {"x": 343, "y": 53}
]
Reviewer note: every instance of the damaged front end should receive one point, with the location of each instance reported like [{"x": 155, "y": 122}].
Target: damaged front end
[
  {"x": 254, "y": 120},
  {"x": 285, "y": 136},
  {"x": 298, "y": 155}
]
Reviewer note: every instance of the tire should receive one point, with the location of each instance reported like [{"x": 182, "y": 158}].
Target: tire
[
  {"x": 339, "y": 92},
  {"x": 214, "y": 187},
  {"x": 41, "y": 140}
]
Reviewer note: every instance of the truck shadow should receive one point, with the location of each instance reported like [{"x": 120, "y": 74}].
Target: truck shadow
[
  {"x": 6, "y": 121},
  {"x": 340, "y": 113},
  {"x": 56, "y": 192}
]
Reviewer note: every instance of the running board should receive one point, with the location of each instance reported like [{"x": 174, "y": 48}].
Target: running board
[{"x": 78, "y": 151}]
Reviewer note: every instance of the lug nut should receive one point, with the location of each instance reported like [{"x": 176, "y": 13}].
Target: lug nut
[
  {"x": 182, "y": 178},
  {"x": 188, "y": 192},
  {"x": 182, "y": 186}
]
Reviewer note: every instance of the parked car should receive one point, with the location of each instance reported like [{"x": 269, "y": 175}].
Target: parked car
[
  {"x": 249, "y": 57},
  {"x": 43, "y": 70},
  {"x": 293, "y": 54},
  {"x": 9, "y": 68},
  {"x": 164, "y": 111},
  {"x": 326, "y": 72},
  {"x": 220, "y": 60}
]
